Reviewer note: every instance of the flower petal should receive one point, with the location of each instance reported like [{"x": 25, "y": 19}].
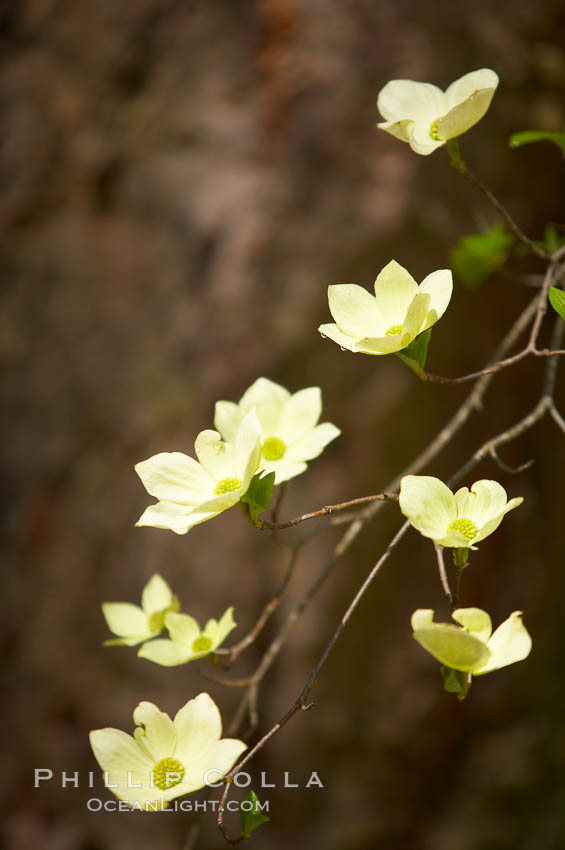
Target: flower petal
[
  {"x": 248, "y": 449},
  {"x": 486, "y": 501},
  {"x": 439, "y": 286},
  {"x": 165, "y": 652},
  {"x": 126, "y": 620},
  {"x": 218, "y": 631},
  {"x": 121, "y": 758},
  {"x": 510, "y": 642},
  {"x": 217, "y": 457},
  {"x": 171, "y": 515},
  {"x": 157, "y": 595},
  {"x": 463, "y": 88},
  {"x": 428, "y": 504},
  {"x": 399, "y": 129},
  {"x": 220, "y": 758},
  {"x": 343, "y": 340},
  {"x": 355, "y": 311},
  {"x": 175, "y": 477},
  {"x": 265, "y": 395},
  {"x": 421, "y": 618},
  {"x": 394, "y": 290},
  {"x": 381, "y": 345},
  {"x": 475, "y": 621},
  {"x": 227, "y": 419},
  {"x": 284, "y": 470},
  {"x": 415, "y": 317},
  {"x": 401, "y": 99},
  {"x": 465, "y": 115},
  {"x": 156, "y": 730},
  {"x": 182, "y": 629},
  {"x": 312, "y": 444},
  {"x": 453, "y": 646},
  {"x": 198, "y": 725},
  {"x": 299, "y": 415}
]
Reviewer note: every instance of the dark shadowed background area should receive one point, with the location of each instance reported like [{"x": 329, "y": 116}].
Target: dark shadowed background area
[{"x": 182, "y": 181}]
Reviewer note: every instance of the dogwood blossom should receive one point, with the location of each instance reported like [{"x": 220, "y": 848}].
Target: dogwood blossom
[
  {"x": 426, "y": 117},
  {"x": 290, "y": 435},
  {"x": 190, "y": 491},
  {"x": 472, "y": 648},
  {"x": 134, "y": 624},
  {"x": 387, "y": 322},
  {"x": 186, "y": 640},
  {"x": 457, "y": 520},
  {"x": 165, "y": 758}
]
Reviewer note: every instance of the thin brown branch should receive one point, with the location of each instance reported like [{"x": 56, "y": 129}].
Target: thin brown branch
[
  {"x": 461, "y": 166},
  {"x": 443, "y": 574},
  {"x": 512, "y": 470},
  {"x": 324, "y": 511}
]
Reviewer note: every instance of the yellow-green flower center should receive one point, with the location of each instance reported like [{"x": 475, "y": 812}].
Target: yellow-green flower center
[
  {"x": 434, "y": 131},
  {"x": 167, "y": 773},
  {"x": 201, "y": 644},
  {"x": 273, "y": 448},
  {"x": 465, "y": 526},
  {"x": 227, "y": 485},
  {"x": 393, "y": 330}
]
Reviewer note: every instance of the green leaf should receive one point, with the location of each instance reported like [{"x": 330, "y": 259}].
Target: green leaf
[
  {"x": 258, "y": 496},
  {"x": 526, "y": 137},
  {"x": 454, "y": 681},
  {"x": 557, "y": 300},
  {"x": 252, "y": 818},
  {"x": 479, "y": 255},
  {"x": 414, "y": 355},
  {"x": 552, "y": 239}
]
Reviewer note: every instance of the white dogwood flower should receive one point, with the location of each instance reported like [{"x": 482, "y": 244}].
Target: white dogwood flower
[
  {"x": 134, "y": 624},
  {"x": 457, "y": 520},
  {"x": 290, "y": 434},
  {"x": 472, "y": 648},
  {"x": 186, "y": 640},
  {"x": 426, "y": 117},
  {"x": 190, "y": 491},
  {"x": 387, "y": 322},
  {"x": 165, "y": 758}
]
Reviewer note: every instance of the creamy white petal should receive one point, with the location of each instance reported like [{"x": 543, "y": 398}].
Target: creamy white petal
[
  {"x": 198, "y": 724},
  {"x": 216, "y": 456},
  {"x": 465, "y": 86},
  {"x": 157, "y": 730},
  {"x": 312, "y": 444},
  {"x": 452, "y": 646},
  {"x": 486, "y": 501},
  {"x": 421, "y": 142},
  {"x": 119, "y": 755},
  {"x": 248, "y": 449},
  {"x": 475, "y": 621},
  {"x": 421, "y": 618},
  {"x": 126, "y": 620},
  {"x": 510, "y": 643},
  {"x": 157, "y": 595},
  {"x": 170, "y": 515},
  {"x": 218, "y": 630},
  {"x": 299, "y": 415},
  {"x": 165, "y": 652},
  {"x": 416, "y": 316},
  {"x": 227, "y": 419},
  {"x": 399, "y": 129},
  {"x": 333, "y": 332},
  {"x": 263, "y": 392},
  {"x": 284, "y": 470},
  {"x": 175, "y": 477},
  {"x": 219, "y": 757},
  {"x": 355, "y": 311},
  {"x": 439, "y": 286},
  {"x": 455, "y": 540},
  {"x": 401, "y": 99},
  {"x": 464, "y": 116},
  {"x": 394, "y": 290},
  {"x": 428, "y": 503},
  {"x": 182, "y": 628},
  {"x": 381, "y": 345}
]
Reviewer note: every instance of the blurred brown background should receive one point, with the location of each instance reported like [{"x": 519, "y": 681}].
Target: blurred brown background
[{"x": 182, "y": 180}]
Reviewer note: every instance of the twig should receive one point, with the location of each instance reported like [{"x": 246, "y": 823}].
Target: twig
[
  {"x": 443, "y": 575},
  {"x": 327, "y": 509},
  {"x": 460, "y": 165}
]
